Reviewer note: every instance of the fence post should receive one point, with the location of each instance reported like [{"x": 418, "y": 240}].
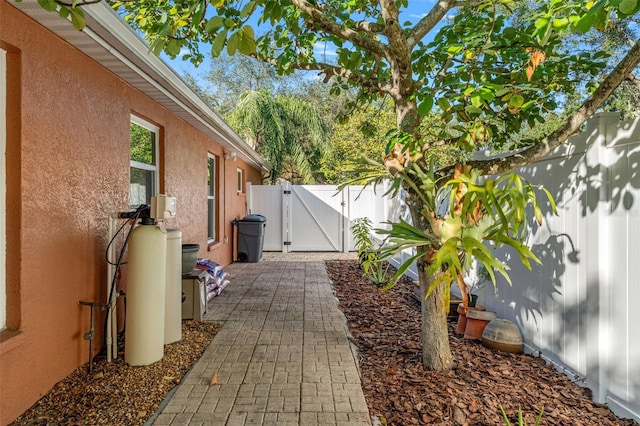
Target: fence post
[{"x": 286, "y": 217}]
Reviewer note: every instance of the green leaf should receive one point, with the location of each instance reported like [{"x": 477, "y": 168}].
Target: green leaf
[
  {"x": 515, "y": 104},
  {"x": 487, "y": 94},
  {"x": 560, "y": 24},
  {"x": 401, "y": 270},
  {"x": 472, "y": 109},
  {"x": 218, "y": 43},
  {"x": 77, "y": 18},
  {"x": 425, "y": 106},
  {"x": 49, "y": 5},
  {"x": 628, "y": 6},
  {"x": 157, "y": 45},
  {"x": 232, "y": 43},
  {"x": 247, "y": 9},
  {"x": 444, "y": 104},
  {"x": 602, "y": 20},
  {"x": 509, "y": 33},
  {"x": 585, "y": 23},
  {"x": 247, "y": 44},
  {"x": 503, "y": 92},
  {"x": 541, "y": 23},
  {"x": 542, "y": 29},
  {"x": 198, "y": 12},
  {"x": 214, "y": 24},
  {"x": 172, "y": 48},
  {"x": 504, "y": 416}
]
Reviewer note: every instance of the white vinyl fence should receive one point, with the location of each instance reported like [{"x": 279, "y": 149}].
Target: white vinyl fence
[
  {"x": 315, "y": 217},
  {"x": 577, "y": 309}
]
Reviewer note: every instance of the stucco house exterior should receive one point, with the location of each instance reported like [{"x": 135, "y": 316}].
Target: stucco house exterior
[{"x": 69, "y": 103}]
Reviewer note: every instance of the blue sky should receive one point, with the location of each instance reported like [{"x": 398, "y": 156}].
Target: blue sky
[{"x": 415, "y": 10}]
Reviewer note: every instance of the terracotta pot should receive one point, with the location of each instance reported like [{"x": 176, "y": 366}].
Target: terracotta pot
[
  {"x": 462, "y": 316},
  {"x": 477, "y": 320},
  {"x": 503, "y": 335}
]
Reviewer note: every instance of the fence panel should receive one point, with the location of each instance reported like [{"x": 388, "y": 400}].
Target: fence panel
[
  {"x": 267, "y": 200},
  {"x": 576, "y": 308}
]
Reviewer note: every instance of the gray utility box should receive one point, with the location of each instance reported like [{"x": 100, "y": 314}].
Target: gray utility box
[
  {"x": 194, "y": 295},
  {"x": 251, "y": 237}
]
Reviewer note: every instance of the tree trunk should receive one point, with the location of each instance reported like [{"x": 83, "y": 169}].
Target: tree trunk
[{"x": 436, "y": 352}]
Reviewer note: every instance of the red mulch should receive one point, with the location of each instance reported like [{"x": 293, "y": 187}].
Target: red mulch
[{"x": 386, "y": 328}]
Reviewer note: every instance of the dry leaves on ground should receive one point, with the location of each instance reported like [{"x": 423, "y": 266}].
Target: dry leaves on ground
[
  {"x": 118, "y": 394},
  {"x": 386, "y": 328}
]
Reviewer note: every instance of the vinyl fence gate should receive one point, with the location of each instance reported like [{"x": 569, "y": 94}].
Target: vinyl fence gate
[{"x": 313, "y": 217}]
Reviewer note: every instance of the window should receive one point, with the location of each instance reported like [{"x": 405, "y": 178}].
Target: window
[
  {"x": 240, "y": 185},
  {"x": 212, "y": 182},
  {"x": 144, "y": 161},
  {"x": 3, "y": 188}
]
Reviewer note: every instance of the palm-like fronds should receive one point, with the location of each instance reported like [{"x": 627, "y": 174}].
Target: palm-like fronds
[{"x": 282, "y": 129}]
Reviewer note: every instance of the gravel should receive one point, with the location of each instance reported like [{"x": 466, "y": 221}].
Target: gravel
[{"x": 116, "y": 393}]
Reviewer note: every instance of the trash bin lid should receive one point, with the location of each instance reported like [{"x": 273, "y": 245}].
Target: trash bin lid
[{"x": 254, "y": 218}]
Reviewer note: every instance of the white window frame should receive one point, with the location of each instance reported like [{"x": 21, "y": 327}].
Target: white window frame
[
  {"x": 211, "y": 199},
  {"x": 240, "y": 180},
  {"x": 143, "y": 166},
  {"x": 3, "y": 189}
]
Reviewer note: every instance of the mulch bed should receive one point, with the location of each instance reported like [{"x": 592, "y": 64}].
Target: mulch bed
[
  {"x": 386, "y": 328},
  {"x": 117, "y": 394}
]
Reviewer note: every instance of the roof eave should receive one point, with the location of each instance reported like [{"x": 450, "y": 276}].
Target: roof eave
[{"x": 111, "y": 42}]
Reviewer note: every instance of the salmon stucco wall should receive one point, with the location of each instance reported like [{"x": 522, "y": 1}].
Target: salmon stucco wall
[{"x": 67, "y": 171}]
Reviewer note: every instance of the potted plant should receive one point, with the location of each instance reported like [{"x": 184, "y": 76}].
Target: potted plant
[{"x": 475, "y": 280}]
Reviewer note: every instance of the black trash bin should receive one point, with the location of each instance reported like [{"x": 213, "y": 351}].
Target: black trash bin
[{"x": 251, "y": 237}]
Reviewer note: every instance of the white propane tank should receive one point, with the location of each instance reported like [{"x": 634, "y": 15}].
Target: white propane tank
[
  {"x": 173, "y": 292},
  {"x": 146, "y": 275}
]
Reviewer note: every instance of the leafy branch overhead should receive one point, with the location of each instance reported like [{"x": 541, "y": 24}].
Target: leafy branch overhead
[{"x": 486, "y": 72}]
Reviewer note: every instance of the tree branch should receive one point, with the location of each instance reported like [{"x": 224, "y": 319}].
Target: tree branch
[
  {"x": 330, "y": 71},
  {"x": 356, "y": 77},
  {"x": 571, "y": 125},
  {"x": 317, "y": 17},
  {"x": 429, "y": 21},
  {"x": 634, "y": 80},
  {"x": 368, "y": 27},
  {"x": 392, "y": 30}
]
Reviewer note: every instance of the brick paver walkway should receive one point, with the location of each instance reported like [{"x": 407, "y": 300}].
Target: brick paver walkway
[{"x": 282, "y": 356}]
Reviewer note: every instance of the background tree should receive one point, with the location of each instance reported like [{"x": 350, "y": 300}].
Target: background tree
[
  {"x": 350, "y": 131},
  {"x": 229, "y": 77},
  {"x": 482, "y": 70},
  {"x": 286, "y": 130},
  {"x": 362, "y": 134}
]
